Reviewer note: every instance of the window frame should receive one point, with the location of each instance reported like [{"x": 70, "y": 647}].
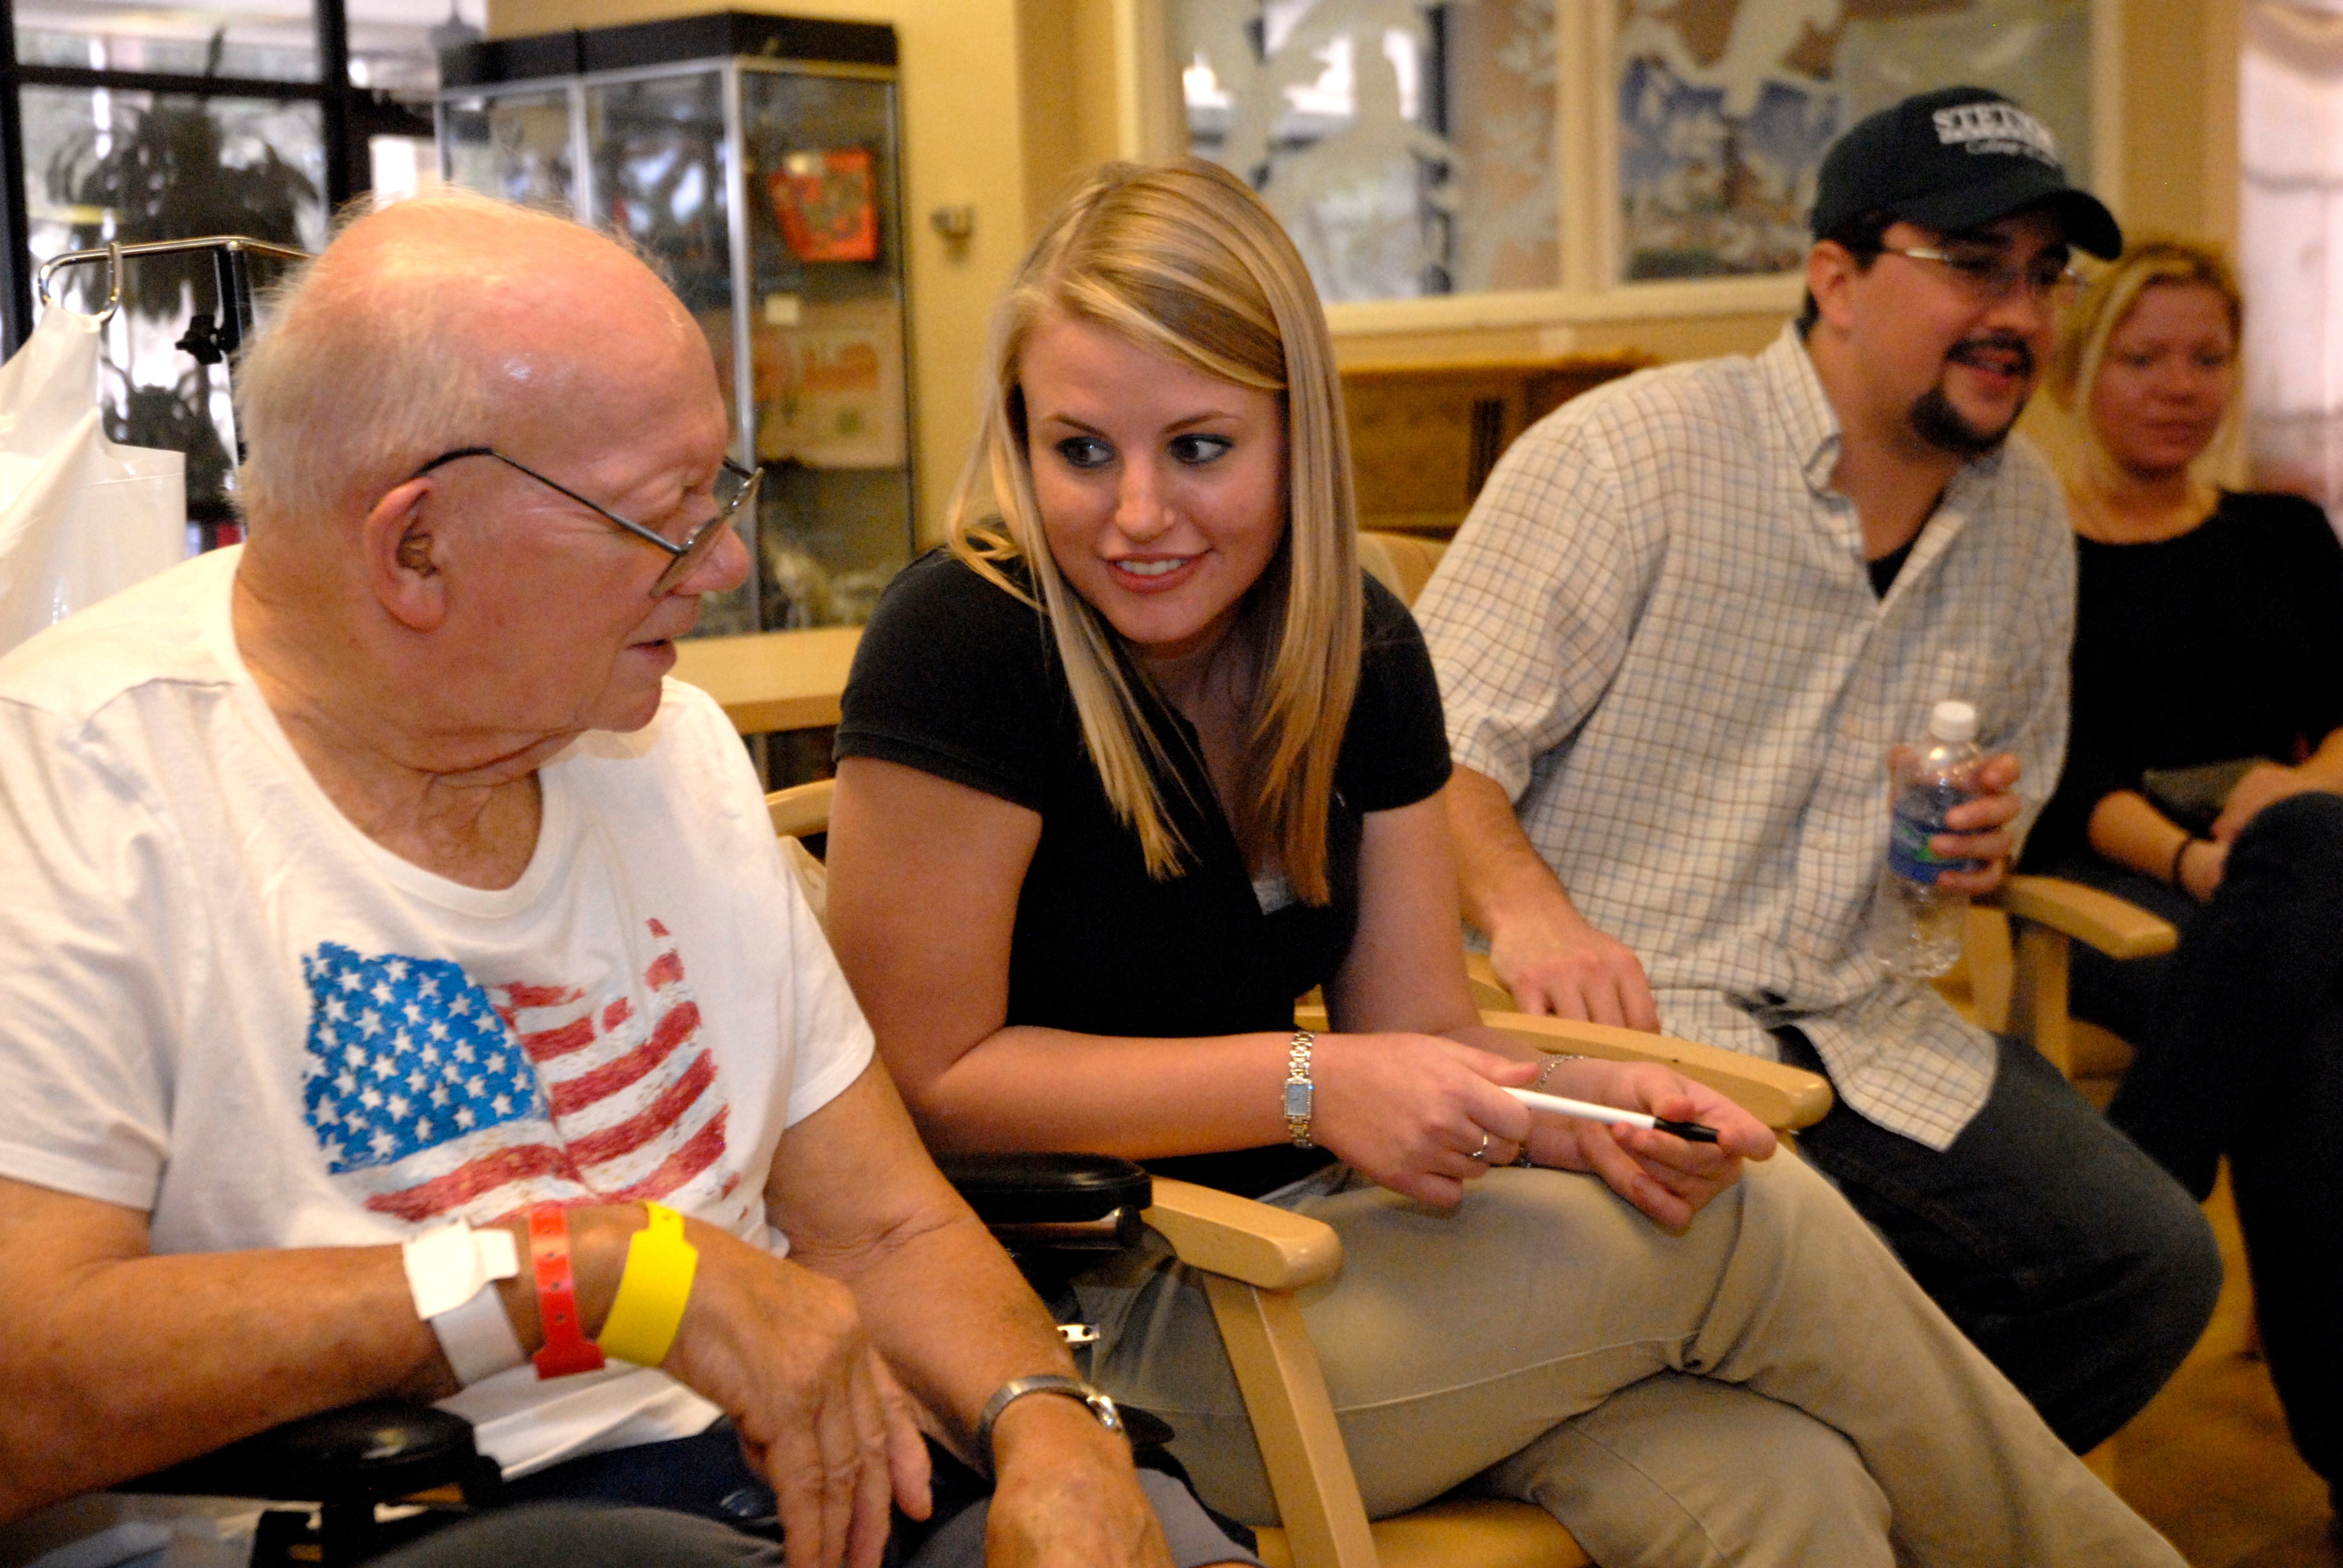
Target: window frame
[{"x": 340, "y": 107}]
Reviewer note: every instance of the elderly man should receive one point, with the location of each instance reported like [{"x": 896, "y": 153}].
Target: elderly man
[
  {"x": 1689, "y": 618},
  {"x": 376, "y": 914}
]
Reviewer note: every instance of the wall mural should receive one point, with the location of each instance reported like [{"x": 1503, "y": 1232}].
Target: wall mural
[
  {"x": 1407, "y": 147},
  {"x": 1726, "y": 107}
]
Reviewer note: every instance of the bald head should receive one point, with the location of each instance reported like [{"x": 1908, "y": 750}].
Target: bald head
[{"x": 440, "y": 322}]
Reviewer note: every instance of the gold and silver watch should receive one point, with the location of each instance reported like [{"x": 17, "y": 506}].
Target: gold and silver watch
[{"x": 1298, "y": 1091}]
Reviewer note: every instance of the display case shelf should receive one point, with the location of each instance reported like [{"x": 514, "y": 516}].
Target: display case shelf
[{"x": 756, "y": 160}]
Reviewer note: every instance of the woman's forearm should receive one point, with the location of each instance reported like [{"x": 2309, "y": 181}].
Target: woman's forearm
[
  {"x": 2131, "y": 832},
  {"x": 1026, "y": 1087}
]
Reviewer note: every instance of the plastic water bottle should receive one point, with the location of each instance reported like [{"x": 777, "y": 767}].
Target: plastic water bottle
[{"x": 1919, "y": 921}]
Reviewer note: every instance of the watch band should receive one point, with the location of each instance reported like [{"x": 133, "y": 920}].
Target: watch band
[
  {"x": 452, "y": 1273},
  {"x": 1300, "y": 1092},
  {"x": 566, "y": 1348},
  {"x": 1017, "y": 1388}
]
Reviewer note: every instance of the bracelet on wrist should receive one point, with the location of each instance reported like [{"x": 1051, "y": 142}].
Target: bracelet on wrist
[
  {"x": 1552, "y": 1061},
  {"x": 2181, "y": 855},
  {"x": 653, "y": 1290},
  {"x": 566, "y": 1349}
]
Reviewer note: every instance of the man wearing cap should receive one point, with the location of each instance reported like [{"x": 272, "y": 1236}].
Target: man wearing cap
[{"x": 1690, "y": 617}]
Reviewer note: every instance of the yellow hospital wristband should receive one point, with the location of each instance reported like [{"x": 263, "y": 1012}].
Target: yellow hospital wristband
[{"x": 652, "y": 1291}]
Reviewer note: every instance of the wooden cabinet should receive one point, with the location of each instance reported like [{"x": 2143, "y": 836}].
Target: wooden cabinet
[{"x": 1424, "y": 436}]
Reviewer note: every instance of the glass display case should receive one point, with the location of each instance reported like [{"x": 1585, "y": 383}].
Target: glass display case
[{"x": 756, "y": 160}]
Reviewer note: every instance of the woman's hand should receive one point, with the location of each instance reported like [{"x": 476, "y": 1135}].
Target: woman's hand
[
  {"x": 1661, "y": 1174},
  {"x": 2264, "y": 785},
  {"x": 1408, "y": 1111}
]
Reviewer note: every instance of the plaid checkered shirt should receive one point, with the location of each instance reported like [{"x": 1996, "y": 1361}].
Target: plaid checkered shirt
[{"x": 1657, "y": 632}]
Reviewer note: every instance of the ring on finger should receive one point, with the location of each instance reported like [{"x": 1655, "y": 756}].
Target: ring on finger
[{"x": 1483, "y": 1151}]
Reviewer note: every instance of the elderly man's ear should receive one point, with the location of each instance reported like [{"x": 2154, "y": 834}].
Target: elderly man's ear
[{"x": 402, "y": 555}]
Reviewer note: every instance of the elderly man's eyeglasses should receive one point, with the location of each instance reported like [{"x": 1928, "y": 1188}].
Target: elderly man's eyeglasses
[
  {"x": 1992, "y": 277},
  {"x": 736, "y": 488}
]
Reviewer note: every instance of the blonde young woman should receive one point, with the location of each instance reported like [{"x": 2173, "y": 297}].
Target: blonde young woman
[
  {"x": 1142, "y": 758},
  {"x": 2201, "y": 781}
]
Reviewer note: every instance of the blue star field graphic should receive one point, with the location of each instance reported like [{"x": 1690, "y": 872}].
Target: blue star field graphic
[{"x": 404, "y": 1054}]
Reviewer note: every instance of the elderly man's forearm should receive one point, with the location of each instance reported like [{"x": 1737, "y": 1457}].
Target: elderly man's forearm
[{"x": 118, "y": 1367}]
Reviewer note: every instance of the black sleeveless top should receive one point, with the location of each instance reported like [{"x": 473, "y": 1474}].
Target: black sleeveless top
[{"x": 958, "y": 678}]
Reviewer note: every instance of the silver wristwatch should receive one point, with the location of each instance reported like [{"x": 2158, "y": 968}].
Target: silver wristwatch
[
  {"x": 1017, "y": 1388},
  {"x": 1298, "y": 1091}
]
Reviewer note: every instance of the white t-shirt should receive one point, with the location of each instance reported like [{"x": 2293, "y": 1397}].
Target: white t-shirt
[{"x": 223, "y": 1005}]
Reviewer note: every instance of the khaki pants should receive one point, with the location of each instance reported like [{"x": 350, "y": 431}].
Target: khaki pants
[{"x": 1768, "y": 1387}]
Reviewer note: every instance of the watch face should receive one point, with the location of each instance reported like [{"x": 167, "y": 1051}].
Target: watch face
[{"x": 1297, "y": 1098}]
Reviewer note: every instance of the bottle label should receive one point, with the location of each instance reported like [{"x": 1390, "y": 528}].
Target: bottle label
[{"x": 1919, "y": 816}]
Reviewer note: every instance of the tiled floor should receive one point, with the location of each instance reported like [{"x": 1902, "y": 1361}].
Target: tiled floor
[{"x": 2208, "y": 1463}]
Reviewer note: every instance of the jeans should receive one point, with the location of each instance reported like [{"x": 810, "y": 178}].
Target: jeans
[
  {"x": 2239, "y": 1033},
  {"x": 694, "y": 1503},
  {"x": 2074, "y": 1261}
]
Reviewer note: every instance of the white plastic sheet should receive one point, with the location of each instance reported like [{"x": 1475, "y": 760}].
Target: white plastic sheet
[{"x": 80, "y": 517}]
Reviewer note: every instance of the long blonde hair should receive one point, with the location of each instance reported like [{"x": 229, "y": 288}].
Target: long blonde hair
[
  {"x": 2107, "y": 300},
  {"x": 1184, "y": 260}
]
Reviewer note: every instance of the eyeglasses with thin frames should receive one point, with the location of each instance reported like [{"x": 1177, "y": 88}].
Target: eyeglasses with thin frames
[
  {"x": 735, "y": 490},
  {"x": 1993, "y": 278}
]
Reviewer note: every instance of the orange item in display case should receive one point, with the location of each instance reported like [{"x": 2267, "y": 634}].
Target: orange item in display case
[{"x": 827, "y": 204}]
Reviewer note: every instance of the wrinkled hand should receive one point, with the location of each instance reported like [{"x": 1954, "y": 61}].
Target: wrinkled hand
[
  {"x": 1668, "y": 1178},
  {"x": 781, "y": 1351},
  {"x": 1066, "y": 1495},
  {"x": 2264, "y": 785},
  {"x": 1408, "y": 1111},
  {"x": 1566, "y": 967},
  {"x": 1979, "y": 825}
]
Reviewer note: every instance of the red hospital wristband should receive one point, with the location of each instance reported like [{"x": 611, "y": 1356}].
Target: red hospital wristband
[{"x": 566, "y": 1348}]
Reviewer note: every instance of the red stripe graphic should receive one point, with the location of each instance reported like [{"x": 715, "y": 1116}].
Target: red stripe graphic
[
  {"x": 587, "y": 1050},
  {"x": 473, "y": 1178},
  {"x": 665, "y": 1111},
  {"x": 572, "y": 1095},
  {"x": 706, "y": 1147}
]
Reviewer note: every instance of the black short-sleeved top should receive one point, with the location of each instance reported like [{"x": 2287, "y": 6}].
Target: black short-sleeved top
[
  {"x": 2223, "y": 642},
  {"x": 958, "y": 678}
]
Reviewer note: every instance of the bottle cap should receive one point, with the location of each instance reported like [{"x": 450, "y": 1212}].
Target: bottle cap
[{"x": 1953, "y": 721}]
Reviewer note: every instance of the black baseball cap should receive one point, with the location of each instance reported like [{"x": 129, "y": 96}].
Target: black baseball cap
[{"x": 1951, "y": 160}]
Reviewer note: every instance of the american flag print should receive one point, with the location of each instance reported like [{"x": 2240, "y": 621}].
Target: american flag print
[{"x": 437, "y": 1096}]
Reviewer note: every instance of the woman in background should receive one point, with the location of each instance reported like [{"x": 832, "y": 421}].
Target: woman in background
[
  {"x": 1143, "y": 758},
  {"x": 2200, "y": 779}
]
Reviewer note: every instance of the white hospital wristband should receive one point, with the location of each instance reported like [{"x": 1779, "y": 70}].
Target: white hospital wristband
[{"x": 452, "y": 1274}]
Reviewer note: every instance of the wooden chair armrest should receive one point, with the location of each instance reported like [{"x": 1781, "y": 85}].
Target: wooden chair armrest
[
  {"x": 801, "y": 809},
  {"x": 2119, "y": 930},
  {"x": 1784, "y": 1097},
  {"x": 1223, "y": 1234}
]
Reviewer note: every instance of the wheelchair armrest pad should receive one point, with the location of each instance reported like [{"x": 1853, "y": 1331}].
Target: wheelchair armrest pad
[
  {"x": 2117, "y": 928},
  {"x": 1045, "y": 1189},
  {"x": 377, "y": 1452},
  {"x": 1223, "y": 1234}
]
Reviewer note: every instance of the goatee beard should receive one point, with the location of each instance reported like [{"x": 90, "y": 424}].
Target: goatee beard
[{"x": 1935, "y": 421}]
